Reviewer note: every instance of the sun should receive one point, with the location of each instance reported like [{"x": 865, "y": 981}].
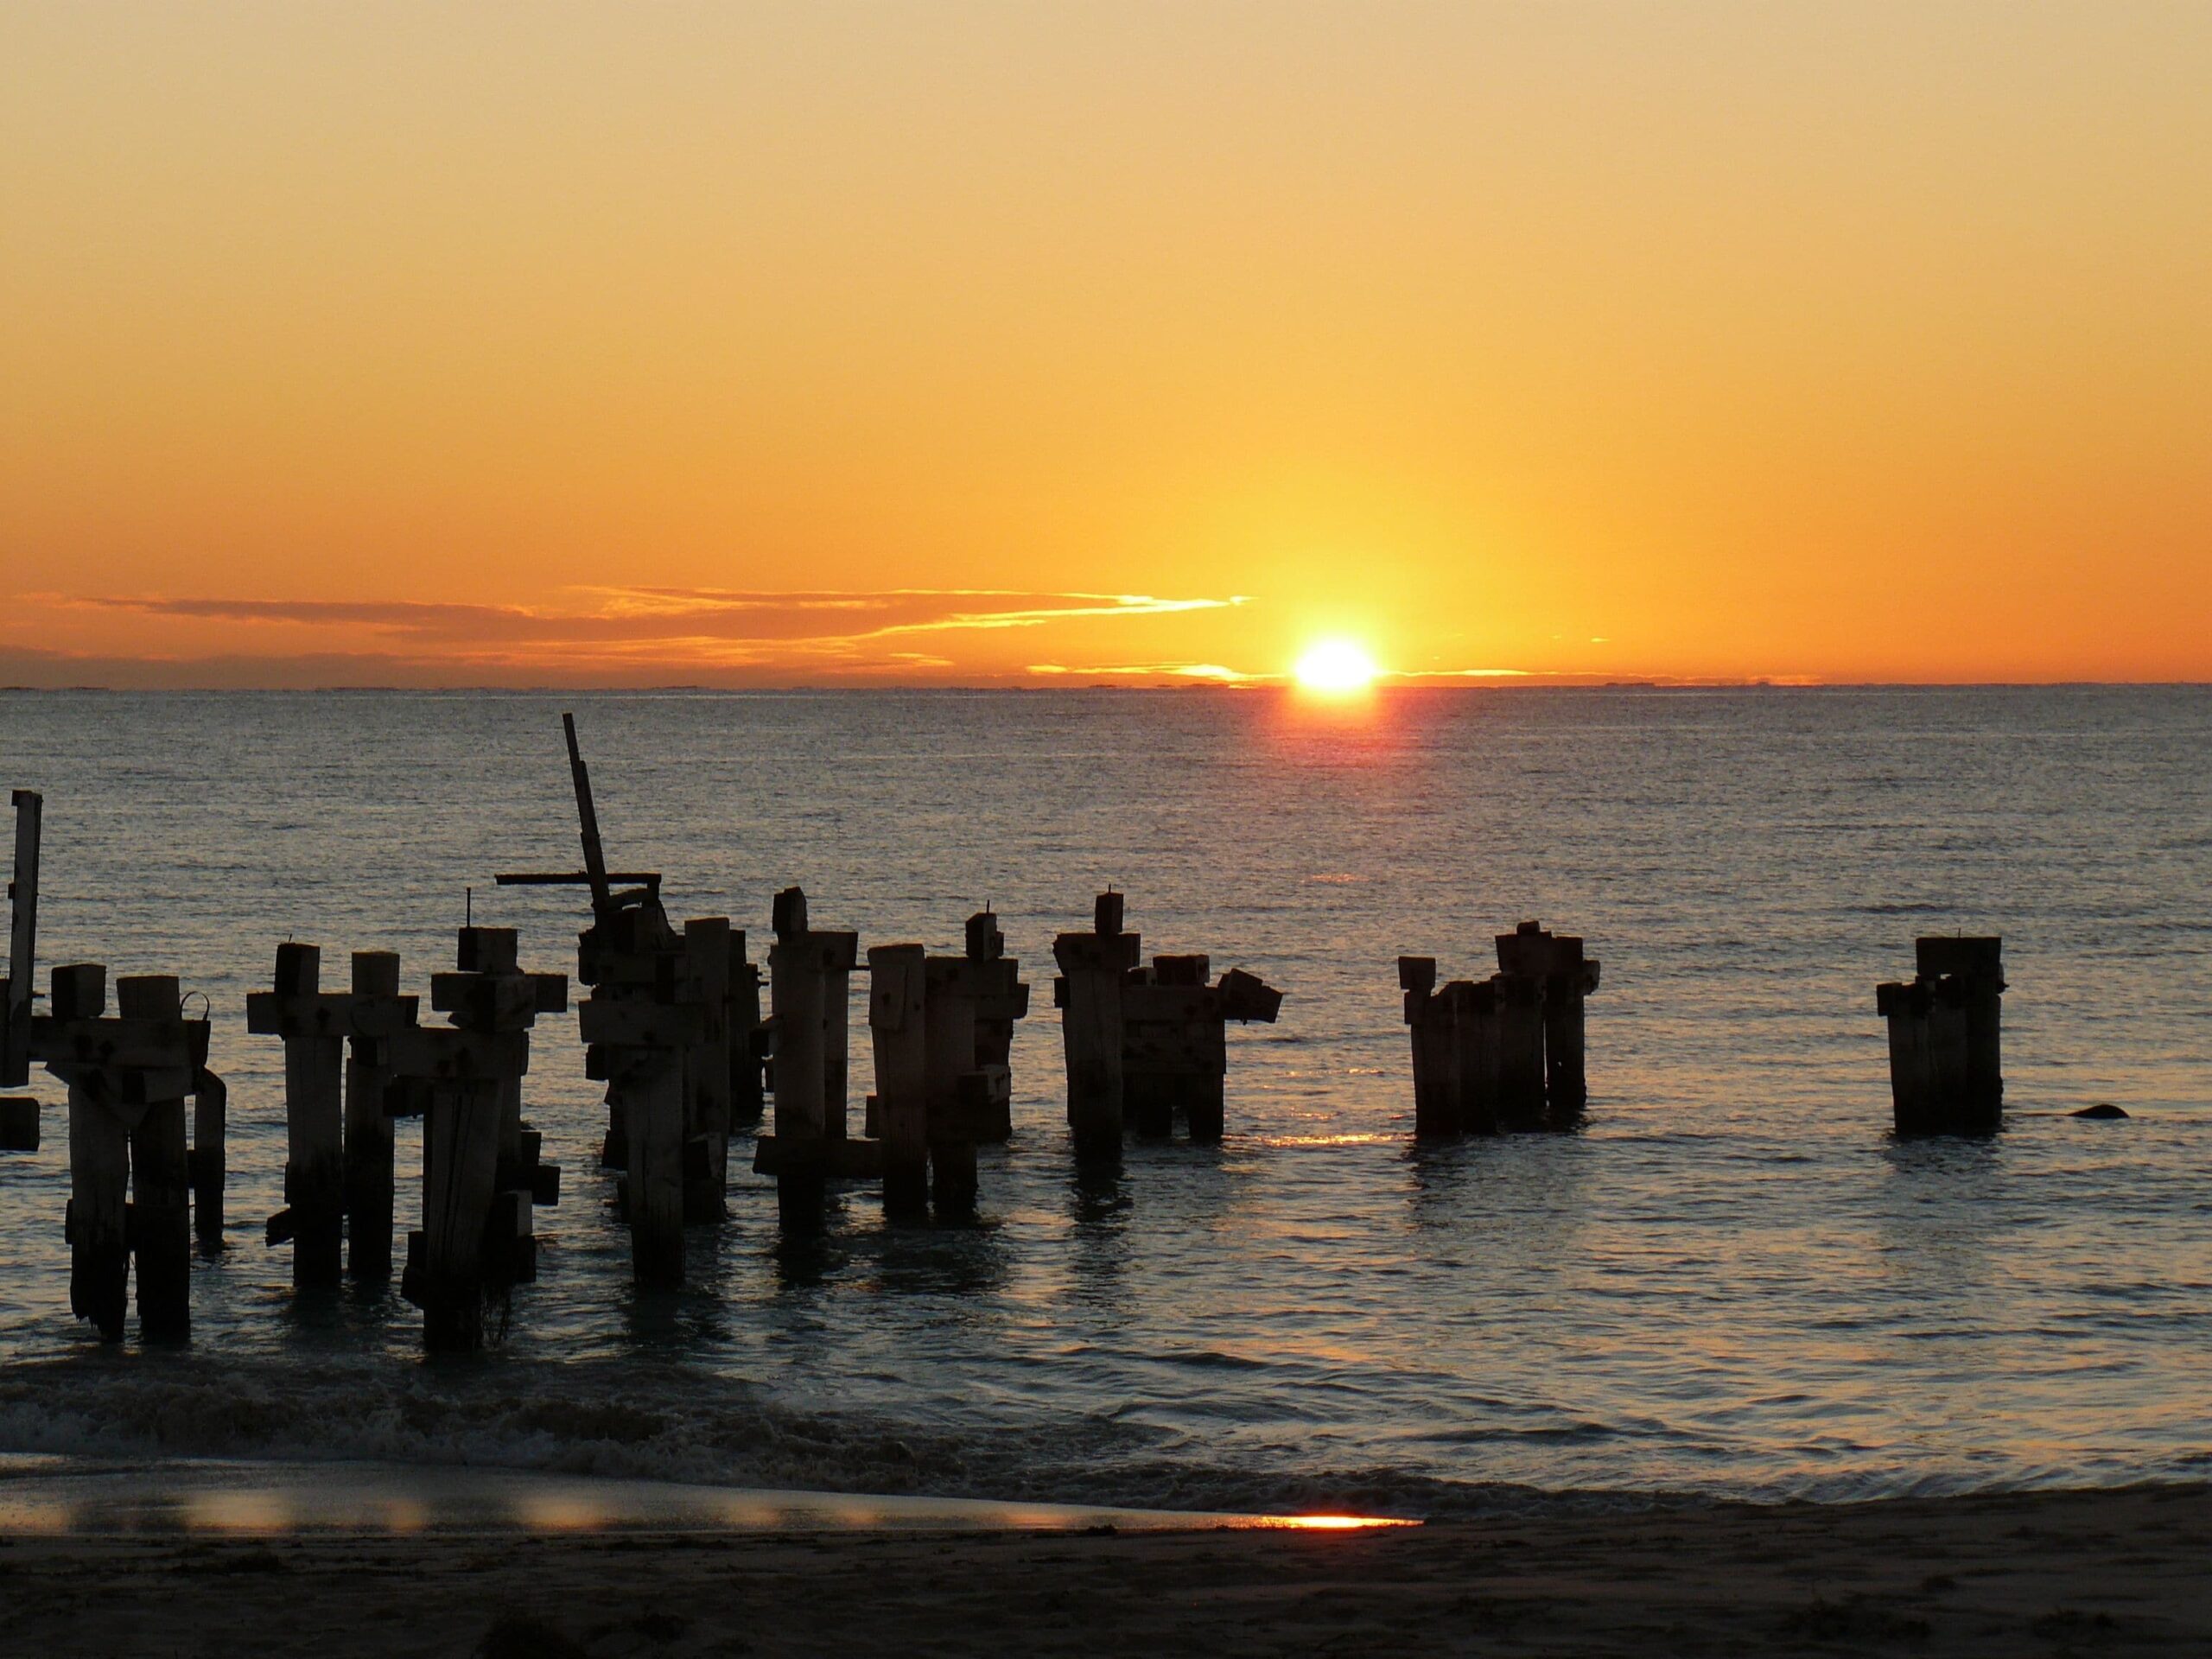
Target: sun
[{"x": 1336, "y": 665}]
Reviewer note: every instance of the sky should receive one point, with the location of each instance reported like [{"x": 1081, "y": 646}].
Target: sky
[{"x": 968, "y": 343}]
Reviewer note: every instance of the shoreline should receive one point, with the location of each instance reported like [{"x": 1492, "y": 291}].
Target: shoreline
[{"x": 2116, "y": 1572}]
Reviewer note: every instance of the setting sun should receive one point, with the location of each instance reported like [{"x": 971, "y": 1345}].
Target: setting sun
[{"x": 1336, "y": 665}]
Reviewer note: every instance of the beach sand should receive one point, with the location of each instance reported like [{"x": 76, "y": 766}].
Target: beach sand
[{"x": 2110, "y": 1573}]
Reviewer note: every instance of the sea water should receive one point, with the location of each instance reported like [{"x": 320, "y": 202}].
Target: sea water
[{"x": 1731, "y": 1280}]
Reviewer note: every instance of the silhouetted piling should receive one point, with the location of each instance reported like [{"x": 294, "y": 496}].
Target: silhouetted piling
[
  {"x": 1946, "y": 1064},
  {"x": 1427, "y": 1016},
  {"x": 898, "y": 1027},
  {"x": 161, "y": 1210},
  {"x": 313, "y": 1027},
  {"x": 1089, "y": 994},
  {"x": 17, "y": 989},
  {"x": 128, "y": 1078},
  {"x": 1002, "y": 1000},
  {"x": 492, "y": 994},
  {"x": 210, "y": 1161},
  {"x": 706, "y": 979},
  {"x": 796, "y": 984},
  {"x": 375, "y": 1010}
]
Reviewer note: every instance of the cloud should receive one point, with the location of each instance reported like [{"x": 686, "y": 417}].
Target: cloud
[
  {"x": 667, "y": 614},
  {"x": 582, "y": 635}
]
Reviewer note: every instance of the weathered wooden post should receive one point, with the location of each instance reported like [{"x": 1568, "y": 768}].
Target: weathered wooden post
[
  {"x": 1429, "y": 1017},
  {"x": 1570, "y": 976},
  {"x": 1945, "y": 1074},
  {"x": 840, "y": 955},
  {"x": 1472, "y": 1072},
  {"x": 639, "y": 1035},
  {"x": 375, "y": 1010},
  {"x": 802, "y": 1153},
  {"x": 127, "y": 1078},
  {"x": 313, "y": 1027},
  {"x": 705, "y": 976},
  {"x": 1001, "y": 999},
  {"x": 1523, "y": 956},
  {"x": 99, "y": 1163},
  {"x": 1975, "y": 971},
  {"x": 159, "y": 1221},
  {"x": 749, "y": 1036},
  {"x": 898, "y": 1025},
  {"x": 1088, "y": 993},
  {"x": 17, "y": 989},
  {"x": 19, "y": 1114},
  {"x": 490, "y": 993},
  {"x": 958, "y": 1094},
  {"x": 800, "y": 1086},
  {"x": 453, "y": 1079}
]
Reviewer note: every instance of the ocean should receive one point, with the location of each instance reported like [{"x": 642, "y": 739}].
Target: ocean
[{"x": 1731, "y": 1279}]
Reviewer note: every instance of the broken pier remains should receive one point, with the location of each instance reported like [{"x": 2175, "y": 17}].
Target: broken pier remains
[
  {"x": 1506, "y": 1052},
  {"x": 1946, "y": 1069},
  {"x": 1144, "y": 1044}
]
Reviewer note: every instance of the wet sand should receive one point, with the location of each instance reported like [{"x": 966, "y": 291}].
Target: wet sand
[{"x": 2051, "y": 1573}]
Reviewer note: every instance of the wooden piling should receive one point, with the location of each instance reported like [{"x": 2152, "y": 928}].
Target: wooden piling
[
  {"x": 1428, "y": 1017},
  {"x": 1089, "y": 990},
  {"x": 313, "y": 1030},
  {"x": 100, "y": 1181},
  {"x": 707, "y": 1065},
  {"x": 1945, "y": 1071},
  {"x": 211, "y": 1100},
  {"x": 160, "y": 1217},
  {"x": 1974, "y": 969},
  {"x": 491, "y": 995},
  {"x": 839, "y": 953},
  {"x": 747, "y": 1041},
  {"x": 653, "y": 1111},
  {"x": 949, "y": 1066},
  {"x": 461, "y": 1161},
  {"x": 19, "y": 1127},
  {"x": 1472, "y": 1073},
  {"x": 1520, "y": 1050},
  {"x": 15, "y": 990},
  {"x": 795, "y": 979},
  {"x": 898, "y": 1028},
  {"x": 377, "y": 1010},
  {"x": 1002, "y": 1000}
]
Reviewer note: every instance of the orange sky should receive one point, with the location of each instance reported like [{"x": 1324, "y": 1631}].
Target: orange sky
[{"x": 961, "y": 342}]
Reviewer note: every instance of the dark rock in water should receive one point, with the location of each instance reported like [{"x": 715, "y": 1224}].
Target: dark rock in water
[{"x": 2103, "y": 1108}]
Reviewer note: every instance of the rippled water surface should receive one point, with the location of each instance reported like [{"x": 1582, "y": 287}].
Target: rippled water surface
[{"x": 1731, "y": 1280}]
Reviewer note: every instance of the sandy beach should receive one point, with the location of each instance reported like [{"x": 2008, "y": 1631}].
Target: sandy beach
[{"x": 2056, "y": 1572}]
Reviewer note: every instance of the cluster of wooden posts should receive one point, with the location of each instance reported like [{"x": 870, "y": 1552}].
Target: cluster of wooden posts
[
  {"x": 1145, "y": 1043},
  {"x": 674, "y": 1026},
  {"x": 1502, "y": 1053}
]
